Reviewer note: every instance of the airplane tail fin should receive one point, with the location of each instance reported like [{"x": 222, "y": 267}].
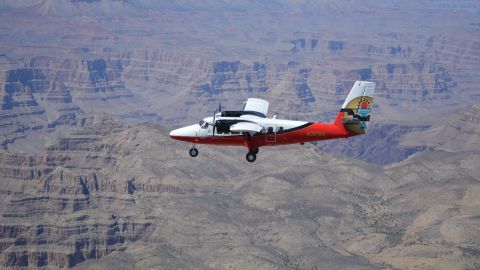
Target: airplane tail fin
[{"x": 355, "y": 112}]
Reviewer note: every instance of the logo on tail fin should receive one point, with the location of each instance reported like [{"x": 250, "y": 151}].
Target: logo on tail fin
[{"x": 358, "y": 106}]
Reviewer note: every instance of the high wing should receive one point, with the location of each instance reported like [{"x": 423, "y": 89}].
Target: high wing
[
  {"x": 246, "y": 127},
  {"x": 256, "y": 106}
]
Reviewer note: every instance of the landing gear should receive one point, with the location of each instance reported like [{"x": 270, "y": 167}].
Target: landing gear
[
  {"x": 251, "y": 157},
  {"x": 193, "y": 152}
]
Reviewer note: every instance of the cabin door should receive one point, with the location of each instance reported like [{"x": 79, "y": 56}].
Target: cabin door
[{"x": 271, "y": 135}]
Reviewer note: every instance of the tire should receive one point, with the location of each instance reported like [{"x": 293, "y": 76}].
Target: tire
[
  {"x": 193, "y": 152},
  {"x": 251, "y": 157}
]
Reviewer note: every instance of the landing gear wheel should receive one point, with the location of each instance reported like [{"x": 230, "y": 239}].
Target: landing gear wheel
[
  {"x": 193, "y": 152},
  {"x": 251, "y": 157}
]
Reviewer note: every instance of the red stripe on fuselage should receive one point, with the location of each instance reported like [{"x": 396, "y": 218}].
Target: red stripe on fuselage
[{"x": 312, "y": 132}]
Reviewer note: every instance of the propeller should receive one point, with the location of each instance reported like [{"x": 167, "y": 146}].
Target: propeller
[
  {"x": 215, "y": 112},
  {"x": 213, "y": 124}
]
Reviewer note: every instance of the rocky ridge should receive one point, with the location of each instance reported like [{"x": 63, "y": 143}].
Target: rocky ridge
[{"x": 459, "y": 132}]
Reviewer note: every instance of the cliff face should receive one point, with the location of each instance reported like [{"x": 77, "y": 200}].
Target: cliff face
[
  {"x": 149, "y": 86},
  {"x": 57, "y": 206},
  {"x": 48, "y": 93},
  {"x": 127, "y": 196}
]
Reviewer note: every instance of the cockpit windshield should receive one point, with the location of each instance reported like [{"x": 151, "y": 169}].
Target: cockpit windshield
[{"x": 203, "y": 124}]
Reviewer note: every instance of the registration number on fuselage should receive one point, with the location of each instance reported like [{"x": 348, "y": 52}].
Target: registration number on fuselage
[{"x": 315, "y": 134}]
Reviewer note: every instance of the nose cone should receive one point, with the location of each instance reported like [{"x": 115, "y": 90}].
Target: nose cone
[
  {"x": 175, "y": 132},
  {"x": 185, "y": 132}
]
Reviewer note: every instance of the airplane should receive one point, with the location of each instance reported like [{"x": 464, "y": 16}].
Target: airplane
[{"x": 251, "y": 128}]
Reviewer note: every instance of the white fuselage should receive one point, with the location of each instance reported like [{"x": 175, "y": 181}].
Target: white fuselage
[{"x": 205, "y": 127}]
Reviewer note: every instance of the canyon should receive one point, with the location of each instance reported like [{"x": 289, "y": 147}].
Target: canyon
[
  {"x": 90, "y": 180},
  {"x": 126, "y": 196}
]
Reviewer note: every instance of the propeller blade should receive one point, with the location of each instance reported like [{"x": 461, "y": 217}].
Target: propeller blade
[{"x": 213, "y": 124}]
